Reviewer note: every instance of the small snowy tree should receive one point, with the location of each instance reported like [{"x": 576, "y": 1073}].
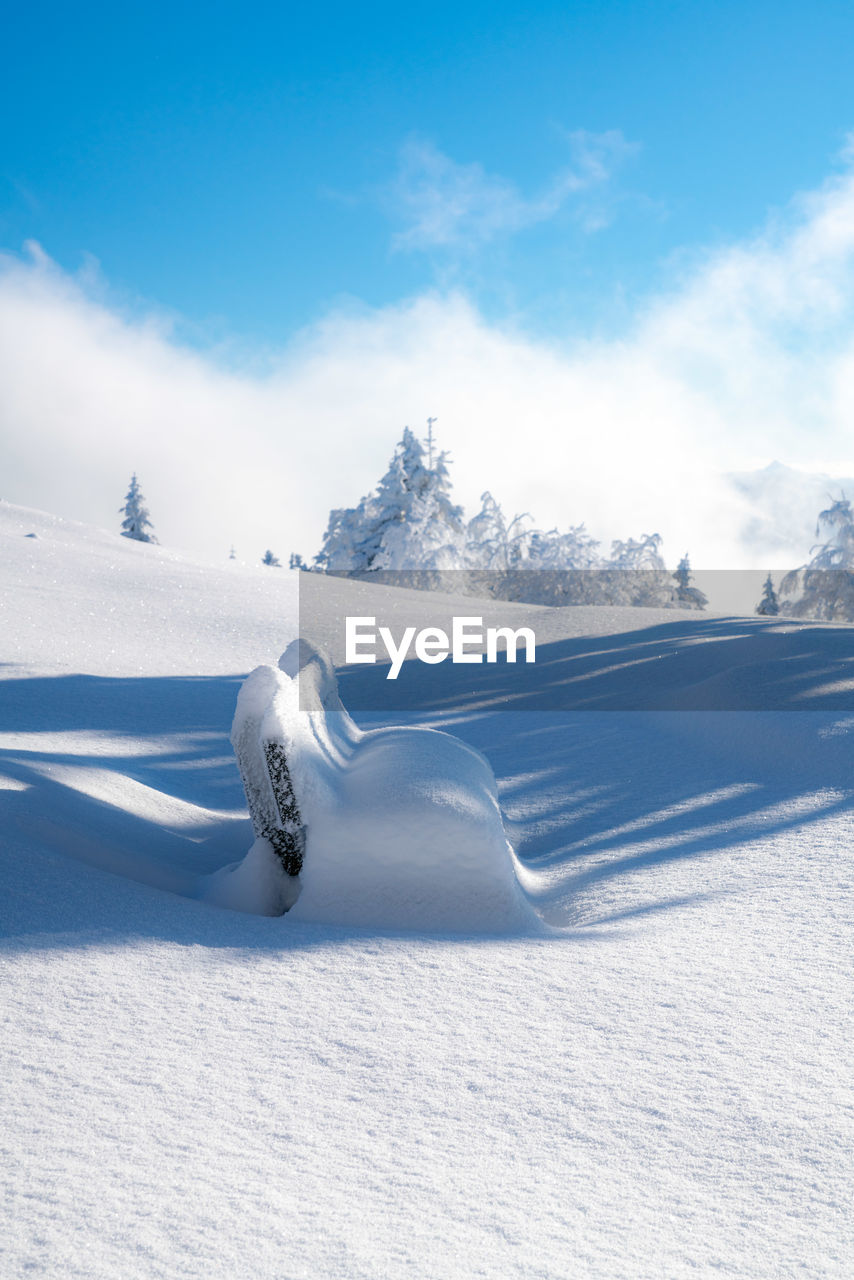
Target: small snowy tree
[
  {"x": 270, "y": 559},
  {"x": 636, "y": 574},
  {"x": 492, "y": 542},
  {"x": 232, "y": 555},
  {"x": 562, "y": 567},
  {"x": 551, "y": 549},
  {"x": 769, "y": 605},
  {"x": 514, "y": 561},
  {"x": 688, "y": 597},
  {"x": 824, "y": 588},
  {"x": 137, "y": 522},
  {"x": 296, "y": 561}
]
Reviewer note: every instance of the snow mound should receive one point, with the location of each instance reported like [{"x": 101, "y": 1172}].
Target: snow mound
[
  {"x": 256, "y": 884},
  {"x": 400, "y": 827}
]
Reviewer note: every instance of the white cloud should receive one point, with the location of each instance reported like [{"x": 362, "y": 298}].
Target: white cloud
[
  {"x": 444, "y": 205},
  {"x": 748, "y": 358}
]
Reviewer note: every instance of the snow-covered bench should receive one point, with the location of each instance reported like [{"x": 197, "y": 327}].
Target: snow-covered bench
[{"x": 395, "y": 827}]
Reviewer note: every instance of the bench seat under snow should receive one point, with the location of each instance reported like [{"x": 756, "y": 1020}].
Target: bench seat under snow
[{"x": 390, "y": 828}]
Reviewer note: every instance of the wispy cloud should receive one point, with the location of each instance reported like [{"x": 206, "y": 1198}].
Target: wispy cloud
[{"x": 446, "y": 205}]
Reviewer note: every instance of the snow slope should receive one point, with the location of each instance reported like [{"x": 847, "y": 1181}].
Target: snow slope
[{"x": 661, "y": 1086}]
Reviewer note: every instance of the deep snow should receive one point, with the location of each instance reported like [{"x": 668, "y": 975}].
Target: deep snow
[
  {"x": 659, "y": 1087},
  {"x": 400, "y": 827}
]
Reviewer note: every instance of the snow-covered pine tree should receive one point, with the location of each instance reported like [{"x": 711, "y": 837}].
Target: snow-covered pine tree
[
  {"x": 296, "y": 561},
  {"x": 391, "y": 503},
  {"x": 354, "y": 534},
  {"x": 688, "y": 597},
  {"x": 342, "y": 548},
  {"x": 769, "y": 605},
  {"x": 408, "y": 522},
  {"x": 419, "y": 526},
  {"x": 137, "y": 522},
  {"x": 270, "y": 559},
  {"x": 824, "y": 588},
  {"x": 425, "y": 540}
]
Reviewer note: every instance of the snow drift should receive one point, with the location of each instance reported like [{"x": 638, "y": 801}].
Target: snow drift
[
  {"x": 657, "y": 1087},
  {"x": 395, "y": 828}
]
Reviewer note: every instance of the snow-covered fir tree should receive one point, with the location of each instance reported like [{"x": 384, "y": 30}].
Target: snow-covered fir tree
[
  {"x": 270, "y": 559},
  {"x": 296, "y": 561},
  {"x": 769, "y": 605},
  {"x": 232, "y": 555},
  {"x": 408, "y": 522},
  {"x": 137, "y": 522},
  {"x": 342, "y": 549},
  {"x": 824, "y": 588},
  {"x": 688, "y": 597},
  {"x": 428, "y": 534}
]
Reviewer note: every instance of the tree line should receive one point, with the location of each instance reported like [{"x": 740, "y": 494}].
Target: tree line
[{"x": 408, "y": 524}]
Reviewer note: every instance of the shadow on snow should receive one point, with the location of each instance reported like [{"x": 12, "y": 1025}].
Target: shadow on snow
[{"x": 593, "y": 799}]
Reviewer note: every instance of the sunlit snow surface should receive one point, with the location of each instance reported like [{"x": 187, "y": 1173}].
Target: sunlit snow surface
[{"x": 658, "y": 1086}]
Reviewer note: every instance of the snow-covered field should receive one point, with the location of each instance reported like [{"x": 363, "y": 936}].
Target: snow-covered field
[{"x": 655, "y": 1082}]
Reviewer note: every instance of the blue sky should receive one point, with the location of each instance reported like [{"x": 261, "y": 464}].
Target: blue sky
[
  {"x": 248, "y": 167},
  {"x": 609, "y": 246}
]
